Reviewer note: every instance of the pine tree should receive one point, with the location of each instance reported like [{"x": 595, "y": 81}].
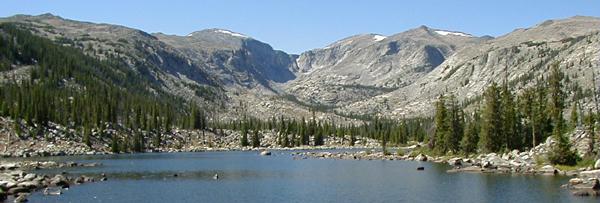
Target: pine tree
[
  {"x": 511, "y": 138},
  {"x": 456, "y": 126},
  {"x": 441, "y": 126},
  {"x": 244, "y": 132},
  {"x": 574, "y": 115},
  {"x": 86, "y": 136},
  {"x": 114, "y": 144},
  {"x": 561, "y": 152},
  {"x": 471, "y": 137},
  {"x": 255, "y": 139},
  {"x": 491, "y": 121}
]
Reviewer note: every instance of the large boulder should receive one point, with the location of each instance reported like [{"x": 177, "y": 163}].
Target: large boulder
[
  {"x": 455, "y": 162},
  {"x": 421, "y": 157},
  {"x": 575, "y": 181},
  {"x": 30, "y": 184},
  {"x": 9, "y": 166},
  {"x": 21, "y": 198},
  {"x": 590, "y": 174},
  {"x": 30, "y": 177},
  {"x": 548, "y": 169},
  {"x": 59, "y": 181},
  {"x": 18, "y": 189}
]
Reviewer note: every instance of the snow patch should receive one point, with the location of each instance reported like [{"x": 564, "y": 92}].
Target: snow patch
[
  {"x": 231, "y": 33},
  {"x": 442, "y": 32},
  {"x": 378, "y": 38}
]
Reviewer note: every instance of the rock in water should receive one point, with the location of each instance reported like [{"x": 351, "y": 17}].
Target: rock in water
[
  {"x": 421, "y": 157},
  {"x": 265, "y": 153},
  {"x": 21, "y": 198},
  {"x": 216, "y": 176},
  {"x": 420, "y": 168},
  {"x": 575, "y": 181}
]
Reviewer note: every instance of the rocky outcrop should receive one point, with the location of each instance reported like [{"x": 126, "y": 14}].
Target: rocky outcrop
[{"x": 16, "y": 184}]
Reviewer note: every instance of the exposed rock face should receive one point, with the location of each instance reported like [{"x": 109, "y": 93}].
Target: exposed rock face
[
  {"x": 234, "y": 58},
  {"x": 363, "y": 66},
  {"x": 519, "y": 57}
]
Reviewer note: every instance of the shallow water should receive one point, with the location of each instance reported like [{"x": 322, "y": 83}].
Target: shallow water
[{"x": 248, "y": 177}]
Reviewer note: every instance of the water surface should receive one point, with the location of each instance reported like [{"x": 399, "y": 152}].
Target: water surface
[{"x": 248, "y": 177}]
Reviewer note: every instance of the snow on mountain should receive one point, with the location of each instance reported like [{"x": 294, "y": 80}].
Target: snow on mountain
[
  {"x": 231, "y": 33},
  {"x": 378, "y": 38},
  {"x": 442, "y": 32}
]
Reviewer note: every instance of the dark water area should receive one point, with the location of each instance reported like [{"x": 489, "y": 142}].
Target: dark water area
[{"x": 248, "y": 177}]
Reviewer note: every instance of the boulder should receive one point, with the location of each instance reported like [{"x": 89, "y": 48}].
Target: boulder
[
  {"x": 59, "y": 181},
  {"x": 487, "y": 164},
  {"x": 30, "y": 184},
  {"x": 575, "y": 181},
  {"x": 455, "y": 162},
  {"x": 597, "y": 164},
  {"x": 30, "y": 177},
  {"x": 265, "y": 153},
  {"x": 590, "y": 174},
  {"x": 548, "y": 169},
  {"x": 21, "y": 198},
  {"x": 421, "y": 157},
  {"x": 18, "y": 189},
  {"x": 9, "y": 166}
]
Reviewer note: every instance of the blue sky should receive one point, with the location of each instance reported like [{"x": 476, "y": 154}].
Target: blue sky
[{"x": 296, "y": 26}]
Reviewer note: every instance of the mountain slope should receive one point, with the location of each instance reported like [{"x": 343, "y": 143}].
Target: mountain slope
[
  {"x": 236, "y": 59},
  {"x": 363, "y": 66},
  {"x": 518, "y": 57},
  {"x": 141, "y": 51}
]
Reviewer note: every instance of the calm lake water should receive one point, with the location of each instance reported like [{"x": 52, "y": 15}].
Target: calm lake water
[{"x": 248, "y": 177}]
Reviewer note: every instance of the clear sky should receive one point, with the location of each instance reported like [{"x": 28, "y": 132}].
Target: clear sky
[{"x": 300, "y": 25}]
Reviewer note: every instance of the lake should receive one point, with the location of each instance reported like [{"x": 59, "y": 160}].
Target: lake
[{"x": 248, "y": 177}]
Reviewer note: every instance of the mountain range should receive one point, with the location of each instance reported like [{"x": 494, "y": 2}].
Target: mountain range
[{"x": 394, "y": 76}]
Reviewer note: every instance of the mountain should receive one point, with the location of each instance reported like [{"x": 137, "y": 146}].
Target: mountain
[
  {"x": 394, "y": 76},
  {"x": 363, "y": 66},
  {"x": 235, "y": 59},
  {"x": 519, "y": 58},
  {"x": 142, "y": 52}
]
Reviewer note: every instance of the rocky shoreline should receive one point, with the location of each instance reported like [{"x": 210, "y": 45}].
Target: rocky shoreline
[{"x": 18, "y": 179}]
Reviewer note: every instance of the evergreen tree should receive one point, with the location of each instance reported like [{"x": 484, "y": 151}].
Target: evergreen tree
[
  {"x": 471, "y": 137},
  {"x": 441, "y": 126},
  {"x": 491, "y": 121},
  {"x": 561, "y": 152},
  {"x": 255, "y": 139},
  {"x": 574, "y": 115},
  {"x": 244, "y": 132},
  {"x": 114, "y": 144},
  {"x": 456, "y": 124},
  {"x": 86, "y": 136},
  {"x": 511, "y": 136}
]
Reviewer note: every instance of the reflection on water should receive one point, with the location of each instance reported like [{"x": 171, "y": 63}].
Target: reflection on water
[{"x": 248, "y": 177}]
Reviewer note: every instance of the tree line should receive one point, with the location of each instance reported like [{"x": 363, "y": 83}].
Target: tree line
[
  {"x": 506, "y": 121},
  {"x": 63, "y": 85}
]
